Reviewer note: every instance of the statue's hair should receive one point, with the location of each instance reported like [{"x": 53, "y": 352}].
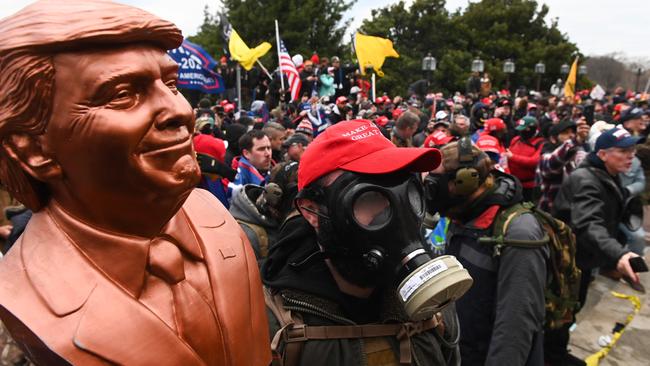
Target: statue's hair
[{"x": 28, "y": 41}]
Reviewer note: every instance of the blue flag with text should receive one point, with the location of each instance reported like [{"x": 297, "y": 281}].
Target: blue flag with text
[{"x": 195, "y": 69}]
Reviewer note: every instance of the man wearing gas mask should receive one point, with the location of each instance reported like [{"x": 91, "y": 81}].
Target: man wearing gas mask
[
  {"x": 352, "y": 283},
  {"x": 502, "y": 315}
]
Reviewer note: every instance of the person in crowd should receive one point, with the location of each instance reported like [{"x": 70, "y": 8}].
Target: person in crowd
[
  {"x": 309, "y": 79},
  {"x": 591, "y": 200},
  {"x": 305, "y": 128},
  {"x": 327, "y": 88},
  {"x": 205, "y": 109},
  {"x": 341, "y": 79},
  {"x": 524, "y": 154},
  {"x": 480, "y": 114},
  {"x": 491, "y": 140},
  {"x": 561, "y": 155},
  {"x": 420, "y": 137},
  {"x": 211, "y": 153},
  {"x": 632, "y": 120},
  {"x": 340, "y": 111},
  {"x": 316, "y": 276},
  {"x": 460, "y": 125},
  {"x": 255, "y": 161},
  {"x": 405, "y": 127},
  {"x": 502, "y": 315},
  {"x": 277, "y": 134},
  {"x": 296, "y": 146}
]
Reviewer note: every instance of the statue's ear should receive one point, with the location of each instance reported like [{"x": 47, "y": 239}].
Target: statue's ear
[{"x": 27, "y": 152}]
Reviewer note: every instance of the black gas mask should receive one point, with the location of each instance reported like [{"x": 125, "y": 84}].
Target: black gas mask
[{"x": 370, "y": 229}]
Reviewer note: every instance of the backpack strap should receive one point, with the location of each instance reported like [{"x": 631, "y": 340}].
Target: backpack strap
[
  {"x": 262, "y": 236},
  {"x": 500, "y": 228},
  {"x": 292, "y": 349},
  {"x": 294, "y": 332}
]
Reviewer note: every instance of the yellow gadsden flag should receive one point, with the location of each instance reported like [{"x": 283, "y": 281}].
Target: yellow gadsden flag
[
  {"x": 570, "y": 85},
  {"x": 239, "y": 51},
  {"x": 372, "y": 51}
]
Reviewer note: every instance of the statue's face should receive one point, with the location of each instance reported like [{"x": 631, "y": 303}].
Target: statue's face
[{"x": 120, "y": 130}]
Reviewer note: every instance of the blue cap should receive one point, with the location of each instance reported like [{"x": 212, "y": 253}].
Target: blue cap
[
  {"x": 615, "y": 137},
  {"x": 630, "y": 114}
]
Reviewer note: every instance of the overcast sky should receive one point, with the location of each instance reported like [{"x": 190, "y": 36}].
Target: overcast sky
[{"x": 597, "y": 26}]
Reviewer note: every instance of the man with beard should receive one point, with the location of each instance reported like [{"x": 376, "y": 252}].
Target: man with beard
[
  {"x": 502, "y": 316},
  {"x": 335, "y": 281}
]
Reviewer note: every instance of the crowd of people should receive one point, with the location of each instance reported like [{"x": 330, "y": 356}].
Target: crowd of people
[{"x": 582, "y": 160}]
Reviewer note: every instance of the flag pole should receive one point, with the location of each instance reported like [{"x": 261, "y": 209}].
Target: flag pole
[
  {"x": 239, "y": 101},
  {"x": 374, "y": 93},
  {"x": 277, "y": 41},
  {"x": 264, "y": 69}
]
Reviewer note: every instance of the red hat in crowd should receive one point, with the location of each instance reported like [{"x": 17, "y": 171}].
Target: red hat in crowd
[
  {"x": 397, "y": 112},
  {"x": 315, "y": 59},
  {"x": 210, "y": 145},
  {"x": 381, "y": 121},
  {"x": 358, "y": 146},
  {"x": 495, "y": 124},
  {"x": 532, "y": 106},
  {"x": 341, "y": 99},
  {"x": 437, "y": 138},
  {"x": 224, "y": 102},
  {"x": 487, "y": 101},
  {"x": 228, "y": 107}
]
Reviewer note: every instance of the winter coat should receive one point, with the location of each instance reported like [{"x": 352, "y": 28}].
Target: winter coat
[
  {"x": 243, "y": 209},
  {"x": 592, "y": 202},
  {"x": 524, "y": 159},
  {"x": 502, "y": 315},
  {"x": 326, "y": 85}
]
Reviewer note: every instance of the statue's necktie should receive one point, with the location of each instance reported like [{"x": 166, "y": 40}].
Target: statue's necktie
[{"x": 195, "y": 321}]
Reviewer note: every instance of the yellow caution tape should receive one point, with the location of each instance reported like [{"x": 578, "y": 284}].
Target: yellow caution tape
[{"x": 594, "y": 359}]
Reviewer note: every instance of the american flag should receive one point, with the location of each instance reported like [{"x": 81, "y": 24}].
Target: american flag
[{"x": 287, "y": 66}]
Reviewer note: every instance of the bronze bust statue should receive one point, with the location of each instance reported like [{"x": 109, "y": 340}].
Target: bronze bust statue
[{"x": 123, "y": 261}]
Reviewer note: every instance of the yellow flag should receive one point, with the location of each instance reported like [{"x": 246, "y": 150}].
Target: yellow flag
[
  {"x": 239, "y": 51},
  {"x": 371, "y": 52},
  {"x": 570, "y": 85}
]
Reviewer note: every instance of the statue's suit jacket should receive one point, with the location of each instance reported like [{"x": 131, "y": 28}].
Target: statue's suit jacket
[{"x": 61, "y": 309}]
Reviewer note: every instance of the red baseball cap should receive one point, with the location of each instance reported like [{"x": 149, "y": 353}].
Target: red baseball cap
[
  {"x": 495, "y": 124},
  {"x": 437, "y": 138},
  {"x": 209, "y": 145},
  {"x": 341, "y": 99},
  {"x": 358, "y": 146},
  {"x": 397, "y": 112},
  {"x": 381, "y": 121}
]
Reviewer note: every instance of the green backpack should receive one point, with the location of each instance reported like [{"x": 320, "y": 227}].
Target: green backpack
[{"x": 563, "y": 282}]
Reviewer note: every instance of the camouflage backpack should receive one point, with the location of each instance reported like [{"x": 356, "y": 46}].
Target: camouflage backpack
[{"x": 563, "y": 276}]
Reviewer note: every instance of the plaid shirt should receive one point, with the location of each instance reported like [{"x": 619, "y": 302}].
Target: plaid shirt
[{"x": 552, "y": 169}]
